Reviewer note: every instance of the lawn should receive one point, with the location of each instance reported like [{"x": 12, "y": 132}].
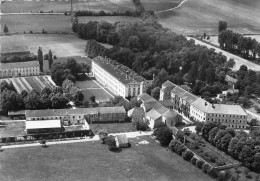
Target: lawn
[
  {"x": 62, "y": 45},
  {"x": 13, "y": 128},
  {"x": 35, "y": 23},
  {"x": 93, "y": 161},
  {"x": 196, "y": 17},
  {"x": 113, "y": 127}
]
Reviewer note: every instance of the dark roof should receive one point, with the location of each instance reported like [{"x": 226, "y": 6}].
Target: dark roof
[
  {"x": 149, "y": 105},
  {"x": 160, "y": 108},
  {"x": 19, "y": 65},
  {"x": 178, "y": 91},
  {"x": 146, "y": 98},
  {"x": 113, "y": 70},
  {"x": 190, "y": 98},
  {"x": 167, "y": 103},
  {"x": 154, "y": 114},
  {"x": 63, "y": 112},
  {"x": 170, "y": 114}
]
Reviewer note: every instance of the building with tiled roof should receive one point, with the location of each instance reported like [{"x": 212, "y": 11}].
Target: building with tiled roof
[
  {"x": 14, "y": 50},
  {"x": 198, "y": 109},
  {"x": 136, "y": 112},
  {"x": 144, "y": 97},
  {"x": 97, "y": 114},
  {"x": 118, "y": 81},
  {"x": 19, "y": 69}
]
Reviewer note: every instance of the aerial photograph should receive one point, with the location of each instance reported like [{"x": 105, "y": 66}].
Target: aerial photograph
[{"x": 129, "y": 90}]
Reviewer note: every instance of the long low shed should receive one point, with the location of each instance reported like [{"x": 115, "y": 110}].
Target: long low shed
[{"x": 46, "y": 126}]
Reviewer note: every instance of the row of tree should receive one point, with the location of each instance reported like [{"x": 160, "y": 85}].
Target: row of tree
[
  {"x": 239, "y": 145},
  {"x": 103, "y": 13},
  {"x": 15, "y": 58},
  {"x": 236, "y": 43}
]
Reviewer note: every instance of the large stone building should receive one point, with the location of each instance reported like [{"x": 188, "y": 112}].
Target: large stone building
[
  {"x": 118, "y": 81},
  {"x": 7, "y": 51},
  {"x": 79, "y": 115},
  {"x": 196, "y": 108},
  {"x": 19, "y": 69}
]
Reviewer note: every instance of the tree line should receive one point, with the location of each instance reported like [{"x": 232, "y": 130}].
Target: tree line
[
  {"x": 240, "y": 45},
  {"x": 15, "y": 58},
  {"x": 240, "y": 146}
]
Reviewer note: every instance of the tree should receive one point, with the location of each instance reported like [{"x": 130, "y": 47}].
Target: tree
[
  {"x": 103, "y": 134},
  {"x": 111, "y": 143},
  {"x": 206, "y": 129},
  {"x": 40, "y": 58},
  {"x": 155, "y": 93},
  {"x": 140, "y": 124},
  {"x": 93, "y": 98},
  {"x": 222, "y": 25},
  {"x": 187, "y": 155},
  {"x": 50, "y": 59},
  {"x": 199, "y": 163},
  {"x": 199, "y": 127},
  {"x": 32, "y": 101},
  {"x": 59, "y": 101},
  {"x": 212, "y": 134},
  {"x": 164, "y": 136},
  {"x": 6, "y": 30},
  {"x": 256, "y": 163}
]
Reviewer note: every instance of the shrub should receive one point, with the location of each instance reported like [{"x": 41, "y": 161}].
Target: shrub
[
  {"x": 31, "y": 32},
  {"x": 224, "y": 175},
  {"x": 158, "y": 125},
  {"x": 54, "y": 57},
  {"x": 180, "y": 148},
  {"x": 173, "y": 145},
  {"x": 212, "y": 160},
  {"x": 213, "y": 172},
  {"x": 205, "y": 167},
  {"x": 187, "y": 155},
  {"x": 193, "y": 160},
  {"x": 103, "y": 134},
  {"x": 220, "y": 162},
  {"x": 111, "y": 143},
  {"x": 199, "y": 163},
  {"x": 164, "y": 136},
  {"x": 140, "y": 124}
]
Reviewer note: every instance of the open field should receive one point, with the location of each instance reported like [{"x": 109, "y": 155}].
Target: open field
[
  {"x": 93, "y": 161},
  {"x": 196, "y": 17},
  {"x": 35, "y": 23},
  {"x": 93, "y": 5},
  {"x": 90, "y": 88},
  {"x": 13, "y": 128},
  {"x": 61, "y": 45}
]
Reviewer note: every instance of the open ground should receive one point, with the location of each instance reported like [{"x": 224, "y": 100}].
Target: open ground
[
  {"x": 93, "y": 161},
  {"x": 196, "y": 17}
]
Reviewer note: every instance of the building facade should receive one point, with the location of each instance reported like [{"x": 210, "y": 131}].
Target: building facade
[
  {"x": 198, "y": 109},
  {"x": 19, "y": 69},
  {"x": 116, "y": 80},
  {"x": 7, "y": 51}
]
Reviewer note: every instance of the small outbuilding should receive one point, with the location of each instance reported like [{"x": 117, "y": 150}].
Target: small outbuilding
[
  {"x": 136, "y": 112},
  {"x": 122, "y": 141}
]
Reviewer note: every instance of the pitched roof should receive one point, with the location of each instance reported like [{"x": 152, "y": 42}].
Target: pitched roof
[
  {"x": 188, "y": 97},
  {"x": 170, "y": 114},
  {"x": 201, "y": 104},
  {"x": 160, "y": 108},
  {"x": 230, "y": 79},
  {"x": 4, "y": 66},
  {"x": 149, "y": 105},
  {"x": 153, "y": 114},
  {"x": 136, "y": 112},
  {"x": 167, "y": 103},
  {"x": 13, "y": 113},
  {"x": 63, "y": 112},
  {"x": 226, "y": 109},
  {"x": 113, "y": 70},
  {"x": 144, "y": 97},
  {"x": 168, "y": 83},
  {"x": 43, "y": 124},
  {"x": 178, "y": 91}
]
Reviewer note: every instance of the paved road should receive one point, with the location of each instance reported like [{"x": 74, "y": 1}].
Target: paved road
[
  {"x": 95, "y": 138},
  {"x": 239, "y": 61}
]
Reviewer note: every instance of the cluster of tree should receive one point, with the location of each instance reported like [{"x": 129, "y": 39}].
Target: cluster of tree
[
  {"x": 73, "y": 92},
  {"x": 149, "y": 49},
  {"x": 47, "y": 99},
  {"x": 15, "y": 58},
  {"x": 140, "y": 124},
  {"x": 120, "y": 101},
  {"x": 236, "y": 43},
  {"x": 162, "y": 133},
  {"x": 239, "y": 145},
  {"x": 70, "y": 70},
  {"x": 103, "y": 13}
]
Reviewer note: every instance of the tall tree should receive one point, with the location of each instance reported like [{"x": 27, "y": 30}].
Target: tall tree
[
  {"x": 40, "y": 58},
  {"x": 50, "y": 59},
  {"x": 6, "y": 30},
  {"x": 222, "y": 25}
]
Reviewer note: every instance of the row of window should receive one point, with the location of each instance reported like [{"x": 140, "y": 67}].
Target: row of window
[
  {"x": 225, "y": 120},
  {"x": 220, "y": 115}
]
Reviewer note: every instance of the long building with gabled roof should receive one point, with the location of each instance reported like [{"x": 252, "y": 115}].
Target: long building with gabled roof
[{"x": 118, "y": 81}]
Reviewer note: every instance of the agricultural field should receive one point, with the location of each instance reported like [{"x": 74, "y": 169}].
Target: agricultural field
[
  {"x": 61, "y": 45},
  {"x": 93, "y": 5},
  {"x": 196, "y": 17},
  {"x": 86, "y": 161},
  {"x": 37, "y": 83},
  {"x": 36, "y": 23}
]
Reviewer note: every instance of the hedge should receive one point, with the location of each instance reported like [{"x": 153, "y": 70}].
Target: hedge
[
  {"x": 199, "y": 163},
  {"x": 193, "y": 160}
]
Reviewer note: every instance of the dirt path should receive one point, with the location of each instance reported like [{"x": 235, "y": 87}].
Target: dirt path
[
  {"x": 95, "y": 138},
  {"x": 239, "y": 61}
]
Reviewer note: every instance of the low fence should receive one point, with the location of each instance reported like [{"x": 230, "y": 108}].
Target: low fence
[{"x": 46, "y": 136}]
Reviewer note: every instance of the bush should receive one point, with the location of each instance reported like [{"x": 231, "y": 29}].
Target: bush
[
  {"x": 164, "y": 136},
  {"x": 173, "y": 145},
  {"x": 193, "y": 160},
  {"x": 224, "y": 175},
  {"x": 140, "y": 124},
  {"x": 180, "y": 148},
  {"x": 220, "y": 162},
  {"x": 54, "y": 57},
  {"x": 103, "y": 134},
  {"x": 187, "y": 155},
  {"x": 111, "y": 143},
  {"x": 158, "y": 125},
  {"x": 199, "y": 163},
  {"x": 213, "y": 172},
  {"x": 205, "y": 167}
]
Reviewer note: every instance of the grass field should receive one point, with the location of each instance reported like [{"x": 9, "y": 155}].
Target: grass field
[
  {"x": 90, "y": 88},
  {"x": 113, "y": 127},
  {"x": 35, "y": 23},
  {"x": 93, "y": 161},
  {"x": 61, "y": 45},
  {"x": 196, "y": 17},
  {"x": 13, "y": 128},
  {"x": 93, "y": 5}
]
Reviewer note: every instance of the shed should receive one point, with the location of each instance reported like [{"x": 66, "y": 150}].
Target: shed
[
  {"x": 122, "y": 141},
  {"x": 45, "y": 126},
  {"x": 136, "y": 112}
]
